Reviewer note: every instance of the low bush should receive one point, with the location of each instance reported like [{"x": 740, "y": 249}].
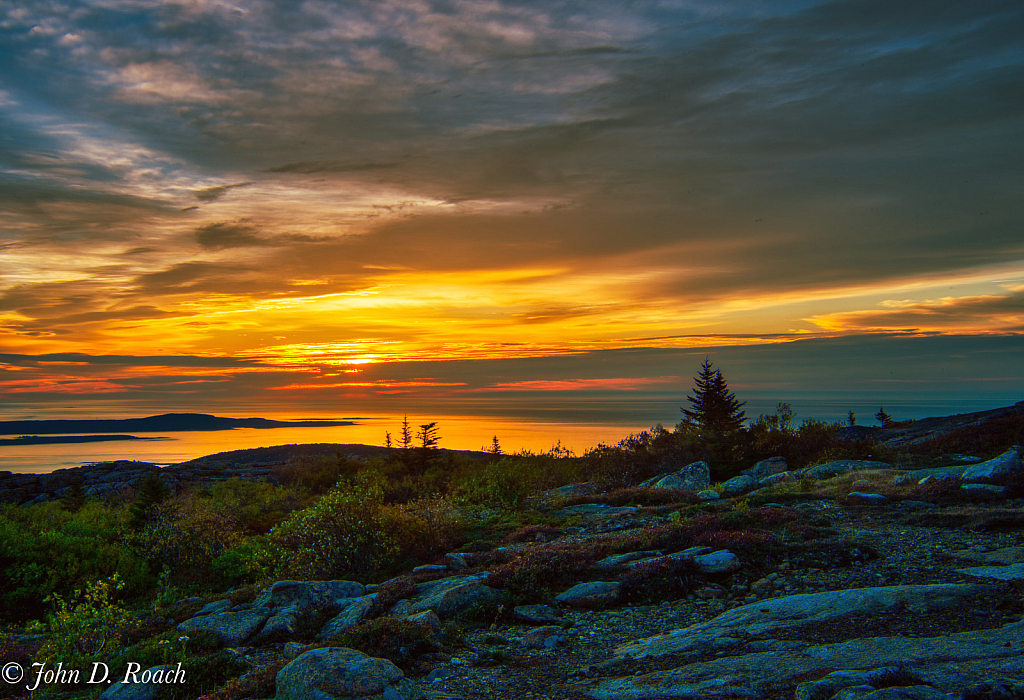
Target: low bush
[
  {"x": 634, "y": 496},
  {"x": 391, "y": 592},
  {"x": 187, "y": 535},
  {"x": 399, "y": 641},
  {"x": 46, "y": 549},
  {"x": 535, "y": 574},
  {"x": 662, "y": 579},
  {"x": 532, "y": 533},
  {"x": 346, "y": 534}
]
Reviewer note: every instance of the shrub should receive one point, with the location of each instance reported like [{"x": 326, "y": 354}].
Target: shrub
[
  {"x": 316, "y": 474},
  {"x": 257, "y": 683},
  {"x": 399, "y": 641},
  {"x": 85, "y": 625},
  {"x": 45, "y": 549},
  {"x": 346, "y": 534},
  {"x": 187, "y": 535},
  {"x": 532, "y": 533},
  {"x": 255, "y": 504},
  {"x": 634, "y": 496},
  {"x": 390, "y": 593},
  {"x": 534, "y": 574},
  {"x": 662, "y": 579},
  {"x": 505, "y": 483}
]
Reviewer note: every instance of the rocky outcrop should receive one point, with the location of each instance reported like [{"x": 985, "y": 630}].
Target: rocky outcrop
[
  {"x": 119, "y": 479},
  {"x": 447, "y": 597},
  {"x": 947, "y": 663},
  {"x": 757, "y": 620},
  {"x": 595, "y": 594},
  {"x": 830, "y": 469},
  {"x": 230, "y": 628},
  {"x": 693, "y": 477},
  {"x": 343, "y": 674},
  {"x": 995, "y": 470},
  {"x": 281, "y": 612},
  {"x": 922, "y": 431}
]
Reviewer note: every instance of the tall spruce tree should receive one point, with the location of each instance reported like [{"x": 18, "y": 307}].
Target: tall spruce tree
[{"x": 712, "y": 406}]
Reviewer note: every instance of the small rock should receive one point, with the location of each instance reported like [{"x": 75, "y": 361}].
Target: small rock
[
  {"x": 231, "y": 628},
  {"x": 984, "y": 492},
  {"x": 709, "y": 495},
  {"x": 693, "y": 477},
  {"x": 722, "y": 562},
  {"x": 766, "y": 468},
  {"x": 595, "y": 594},
  {"x": 428, "y": 618},
  {"x": 545, "y": 637},
  {"x": 216, "y": 606},
  {"x": 292, "y": 650},
  {"x": 455, "y": 561},
  {"x": 617, "y": 560},
  {"x": 858, "y": 498},
  {"x": 738, "y": 485},
  {"x": 537, "y": 614}
]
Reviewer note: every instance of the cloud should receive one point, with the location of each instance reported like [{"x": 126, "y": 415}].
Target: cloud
[
  {"x": 436, "y": 178},
  {"x": 227, "y": 235},
  {"x": 989, "y": 314},
  {"x": 211, "y": 194}
]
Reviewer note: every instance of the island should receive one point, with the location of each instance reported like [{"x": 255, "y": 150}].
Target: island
[
  {"x": 167, "y": 422},
  {"x": 55, "y": 439}
]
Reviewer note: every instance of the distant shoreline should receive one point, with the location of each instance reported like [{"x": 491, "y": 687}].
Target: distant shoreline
[
  {"x": 166, "y": 423},
  {"x": 55, "y": 439}
]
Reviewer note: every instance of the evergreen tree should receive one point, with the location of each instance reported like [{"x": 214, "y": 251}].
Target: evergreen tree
[
  {"x": 74, "y": 498},
  {"x": 712, "y": 406},
  {"x": 495, "y": 447},
  {"x": 884, "y": 418},
  {"x": 428, "y": 438},
  {"x": 406, "y": 435},
  {"x": 152, "y": 492}
]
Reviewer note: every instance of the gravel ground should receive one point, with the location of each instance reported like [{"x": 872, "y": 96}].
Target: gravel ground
[{"x": 909, "y": 552}]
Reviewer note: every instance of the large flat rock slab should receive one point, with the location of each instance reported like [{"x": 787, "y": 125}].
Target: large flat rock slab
[
  {"x": 231, "y": 628},
  {"x": 447, "y": 596},
  {"x": 740, "y": 625},
  {"x": 1014, "y": 572},
  {"x": 950, "y": 663},
  {"x": 996, "y": 557}
]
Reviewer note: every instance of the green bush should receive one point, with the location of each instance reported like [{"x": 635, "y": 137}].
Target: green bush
[
  {"x": 187, "y": 535},
  {"x": 346, "y": 534},
  {"x": 45, "y": 549},
  {"x": 256, "y": 505},
  {"x": 399, "y": 641}
]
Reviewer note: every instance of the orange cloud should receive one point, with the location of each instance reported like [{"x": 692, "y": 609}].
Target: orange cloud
[
  {"x": 381, "y": 384},
  {"x": 604, "y": 384},
  {"x": 984, "y": 314}
]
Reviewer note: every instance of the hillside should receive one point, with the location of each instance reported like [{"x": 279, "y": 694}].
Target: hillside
[{"x": 893, "y": 573}]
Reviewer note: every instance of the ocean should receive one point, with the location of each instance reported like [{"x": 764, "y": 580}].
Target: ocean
[{"x": 577, "y": 426}]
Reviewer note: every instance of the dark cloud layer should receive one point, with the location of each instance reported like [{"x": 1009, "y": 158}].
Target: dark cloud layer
[{"x": 593, "y": 171}]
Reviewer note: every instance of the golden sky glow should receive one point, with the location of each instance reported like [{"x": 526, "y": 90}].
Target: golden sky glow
[{"x": 207, "y": 200}]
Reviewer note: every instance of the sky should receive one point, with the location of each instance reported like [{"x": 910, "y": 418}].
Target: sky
[{"x": 485, "y": 203}]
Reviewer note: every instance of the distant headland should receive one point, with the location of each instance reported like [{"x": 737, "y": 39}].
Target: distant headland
[
  {"x": 168, "y": 422},
  {"x": 57, "y": 439}
]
